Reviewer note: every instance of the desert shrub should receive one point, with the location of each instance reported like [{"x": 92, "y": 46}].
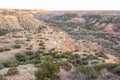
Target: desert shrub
[
  {"x": 41, "y": 44},
  {"x": 34, "y": 56},
  {"x": 2, "y": 77},
  {"x": 10, "y": 64},
  {"x": 47, "y": 79},
  {"x": 1, "y": 66},
  {"x": 36, "y": 61},
  {"x": 75, "y": 56},
  {"x": 48, "y": 71},
  {"x": 76, "y": 76},
  {"x": 7, "y": 49},
  {"x": 29, "y": 48},
  {"x": 58, "y": 56},
  {"x": 49, "y": 58},
  {"x": 7, "y": 64},
  {"x": 12, "y": 71},
  {"x": 88, "y": 71},
  {"x": 67, "y": 53},
  {"x": 65, "y": 65},
  {"x": 116, "y": 70},
  {"x": 101, "y": 54},
  {"x": 108, "y": 66},
  {"x": 91, "y": 57},
  {"x": 40, "y": 52},
  {"x": 2, "y": 49},
  {"x": 29, "y": 53},
  {"x": 17, "y": 46},
  {"x": 20, "y": 57},
  {"x": 3, "y": 32},
  {"x": 28, "y": 40},
  {"x": 99, "y": 67},
  {"x": 43, "y": 47},
  {"x": 53, "y": 54},
  {"x": 79, "y": 62}
]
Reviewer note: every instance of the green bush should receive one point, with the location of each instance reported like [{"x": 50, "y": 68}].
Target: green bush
[
  {"x": 47, "y": 79},
  {"x": 58, "y": 56},
  {"x": 2, "y": 49},
  {"x": 41, "y": 44},
  {"x": 29, "y": 53},
  {"x": 66, "y": 65},
  {"x": 7, "y": 64},
  {"x": 75, "y": 56},
  {"x": 101, "y": 54},
  {"x": 29, "y": 48},
  {"x": 17, "y": 46},
  {"x": 48, "y": 71},
  {"x": 91, "y": 57},
  {"x": 88, "y": 71},
  {"x": 49, "y": 58},
  {"x": 34, "y": 56},
  {"x": 28, "y": 40},
  {"x": 20, "y": 57},
  {"x": 79, "y": 62},
  {"x": 108, "y": 66},
  {"x": 1, "y": 66},
  {"x": 6, "y": 49},
  {"x": 12, "y": 72},
  {"x": 67, "y": 53},
  {"x": 10, "y": 64},
  {"x": 36, "y": 61},
  {"x": 2, "y": 77}
]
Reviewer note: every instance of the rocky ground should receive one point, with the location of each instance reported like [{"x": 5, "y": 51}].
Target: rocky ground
[{"x": 65, "y": 37}]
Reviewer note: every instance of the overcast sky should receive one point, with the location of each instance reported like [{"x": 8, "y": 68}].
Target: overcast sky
[{"x": 62, "y": 4}]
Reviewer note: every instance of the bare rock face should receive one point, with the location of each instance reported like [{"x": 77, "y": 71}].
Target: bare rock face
[
  {"x": 9, "y": 22},
  {"x": 109, "y": 28},
  {"x": 19, "y": 20},
  {"x": 60, "y": 41},
  {"x": 29, "y": 22},
  {"x": 77, "y": 20}
]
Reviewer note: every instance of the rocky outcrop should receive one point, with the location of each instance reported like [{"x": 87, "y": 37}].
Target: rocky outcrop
[
  {"x": 60, "y": 41},
  {"x": 9, "y": 22},
  {"x": 28, "y": 22},
  {"x": 15, "y": 19},
  {"x": 77, "y": 20}
]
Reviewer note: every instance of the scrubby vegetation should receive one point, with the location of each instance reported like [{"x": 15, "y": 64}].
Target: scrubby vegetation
[
  {"x": 94, "y": 71},
  {"x": 12, "y": 72},
  {"x": 10, "y": 64},
  {"x": 48, "y": 71},
  {"x": 2, "y": 77},
  {"x": 3, "y": 32},
  {"x": 20, "y": 57},
  {"x": 2, "y": 49},
  {"x": 65, "y": 65},
  {"x": 30, "y": 48},
  {"x": 17, "y": 46}
]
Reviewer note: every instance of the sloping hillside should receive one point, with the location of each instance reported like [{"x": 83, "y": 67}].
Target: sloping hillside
[
  {"x": 42, "y": 45},
  {"x": 99, "y": 28}
]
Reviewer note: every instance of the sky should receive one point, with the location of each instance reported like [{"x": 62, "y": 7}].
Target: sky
[{"x": 62, "y": 4}]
